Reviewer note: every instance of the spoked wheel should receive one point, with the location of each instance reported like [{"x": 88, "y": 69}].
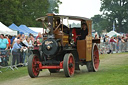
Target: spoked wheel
[
  {"x": 33, "y": 67},
  {"x": 69, "y": 65},
  {"x": 93, "y": 65},
  {"x": 54, "y": 70}
]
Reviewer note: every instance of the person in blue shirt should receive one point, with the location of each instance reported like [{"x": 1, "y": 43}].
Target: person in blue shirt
[
  {"x": 16, "y": 52},
  {"x": 3, "y": 48},
  {"x": 3, "y": 42}
]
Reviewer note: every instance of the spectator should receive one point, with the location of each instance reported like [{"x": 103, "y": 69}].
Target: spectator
[
  {"x": 9, "y": 41},
  {"x": 37, "y": 44},
  {"x": 105, "y": 38},
  {"x": 40, "y": 37},
  {"x": 96, "y": 37},
  {"x": 32, "y": 39},
  {"x": 22, "y": 43},
  {"x": 112, "y": 40},
  {"x": 117, "y": 44},
  {"x": 23, "y": 37},
  {"x": 30, "y": 46},
  {"x": 17, "y": 37},
  {"x": 12, "y": 39},
  {"x": 16, "y": 52},
  {"x": 125, "y": 44},
  {"x": 122, "y": 44},
  {"x": 29, "y": 43},
  {"x": 3, "y": 42},
  {"x": 3, "y": 47}
]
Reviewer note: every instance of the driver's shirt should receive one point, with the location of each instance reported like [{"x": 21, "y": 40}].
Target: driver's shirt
[{"x": 83, "y": 34}]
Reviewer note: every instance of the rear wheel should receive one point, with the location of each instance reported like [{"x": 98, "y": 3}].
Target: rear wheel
[
  {"x": 54, "y": 70},
  {"x": 33, "y": 67},
  {"x": 93, "y": 65},
  {"x": 69, "y": 65}
]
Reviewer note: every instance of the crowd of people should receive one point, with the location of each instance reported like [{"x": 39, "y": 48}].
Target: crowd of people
[
  {"x": 19, "y": 46},
  {"x": 119, "y": 42}
]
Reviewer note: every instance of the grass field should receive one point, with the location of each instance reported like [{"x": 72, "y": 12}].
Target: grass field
[
  {"x": 113, "y": 70},
  {"x": 9, "y": 74}
]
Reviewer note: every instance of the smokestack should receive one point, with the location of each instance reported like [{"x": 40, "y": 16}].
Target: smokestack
[{"x": 50, "y": 22}]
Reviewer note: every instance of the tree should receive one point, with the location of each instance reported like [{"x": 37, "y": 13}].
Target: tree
[
  {"x": 8, "y": 11},
  {"x": 25, "y": 11},
  {"x": 100, "y": 23},
  {"x": 117, "y": 11}
]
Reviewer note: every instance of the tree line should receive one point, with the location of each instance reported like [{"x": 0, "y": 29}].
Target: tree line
[
  {"x": 26, "y": 11},
  {"x": 114, "y": 11}
]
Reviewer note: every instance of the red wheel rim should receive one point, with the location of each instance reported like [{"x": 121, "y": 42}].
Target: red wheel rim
[
  {"x": 35, "y": 66},
  {"x": 96, "y": 57},
  {"x": 71, "y": 65}
]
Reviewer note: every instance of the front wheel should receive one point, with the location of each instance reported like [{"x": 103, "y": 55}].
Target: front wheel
[
  {"x": 93, "y": 65},
  {"x": 33, "y": 66},
  {"x": 69, "y": 65}
]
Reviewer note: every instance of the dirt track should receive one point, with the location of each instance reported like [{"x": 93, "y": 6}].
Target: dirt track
[{"x": 45, "y": 76}]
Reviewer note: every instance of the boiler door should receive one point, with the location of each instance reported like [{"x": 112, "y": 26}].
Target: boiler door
[{"x": 50, "y": 47}]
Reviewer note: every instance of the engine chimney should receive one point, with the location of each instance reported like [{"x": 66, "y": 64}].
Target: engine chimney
[{"x": 50, "y": 22}]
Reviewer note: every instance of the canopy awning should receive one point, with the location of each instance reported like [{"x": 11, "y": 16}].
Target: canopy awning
[
  {"x": 113, "y": 33},
  {"x": 6, "y": 30}
]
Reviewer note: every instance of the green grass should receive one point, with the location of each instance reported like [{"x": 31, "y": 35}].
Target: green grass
[
  {"x": 9, "y": 74},
  {"x": 108, "y": 74},
  {"x": 114, "y": 76}
]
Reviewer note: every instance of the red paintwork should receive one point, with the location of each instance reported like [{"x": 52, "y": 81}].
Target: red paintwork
[
  {"x": 71, "y": 69},
  {"x": 50, "y": 67},
  {"x": 74, "y": 33},
  {"x": 35, "y": 68},
  {"x": 96, "y": 57}
]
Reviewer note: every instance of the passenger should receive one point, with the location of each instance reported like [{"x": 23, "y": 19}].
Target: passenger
[{"x": 84, "y": 31}]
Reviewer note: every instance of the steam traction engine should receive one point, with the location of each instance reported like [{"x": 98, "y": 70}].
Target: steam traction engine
[{"x": 62, "y": 49}]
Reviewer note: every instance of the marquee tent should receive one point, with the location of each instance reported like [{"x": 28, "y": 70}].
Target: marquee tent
[
  {"x": 5, "y": 30},
  {"x": 2, "y": 32},
  {"x": 28, "y": 29},
  {"x": 37, "y": 29},
  {"x": 113, "y": 33},
  {"x": 16, "y": 28}
]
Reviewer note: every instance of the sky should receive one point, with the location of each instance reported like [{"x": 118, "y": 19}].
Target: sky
[{"x": 83, "y": 8}]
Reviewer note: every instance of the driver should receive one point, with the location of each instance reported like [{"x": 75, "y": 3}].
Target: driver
[{"x": 83, "y": 31}]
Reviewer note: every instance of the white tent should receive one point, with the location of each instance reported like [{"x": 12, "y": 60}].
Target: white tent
[
  {"x": 5, "y": 30},
  {"x": 37, "y": 29},
  {"x": 112, "y": 33}
]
